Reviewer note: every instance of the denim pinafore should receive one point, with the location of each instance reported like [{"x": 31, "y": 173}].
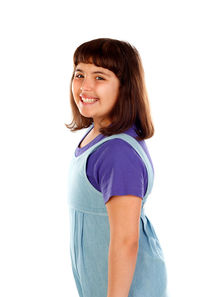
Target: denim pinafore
[{"x": 90, "y": 234}]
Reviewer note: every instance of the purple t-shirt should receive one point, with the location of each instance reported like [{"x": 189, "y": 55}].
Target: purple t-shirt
[{"x": 115, "y": 168}]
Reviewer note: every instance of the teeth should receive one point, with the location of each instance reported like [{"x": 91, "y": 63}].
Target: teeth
[{"x": 89, "y": 100}]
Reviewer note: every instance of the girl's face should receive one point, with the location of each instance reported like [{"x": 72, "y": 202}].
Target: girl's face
[{"x": 95, "y": 90}]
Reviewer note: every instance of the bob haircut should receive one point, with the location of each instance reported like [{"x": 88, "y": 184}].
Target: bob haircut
[{"x": 132, "y": 105}]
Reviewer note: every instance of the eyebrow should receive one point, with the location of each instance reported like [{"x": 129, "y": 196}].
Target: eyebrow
[{"x": 94, "y": 72}]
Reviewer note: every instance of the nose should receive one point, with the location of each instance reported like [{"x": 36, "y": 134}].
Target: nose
[{"x": 86, "y": 84}]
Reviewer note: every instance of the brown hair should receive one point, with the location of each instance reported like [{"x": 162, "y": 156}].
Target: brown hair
[{"x": 132, "y": 105}]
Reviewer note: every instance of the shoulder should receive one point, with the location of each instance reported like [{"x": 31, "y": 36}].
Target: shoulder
[
  {"x": 116, "y": 147},
  {"x": 116, "y": 153},
  {"x": 115, "y": 168}
]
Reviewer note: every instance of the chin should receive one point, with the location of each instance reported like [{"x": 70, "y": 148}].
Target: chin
[{"x": 86, "y": 115}]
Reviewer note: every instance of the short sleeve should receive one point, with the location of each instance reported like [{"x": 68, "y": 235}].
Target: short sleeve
[{"x": 115, "y": 168}]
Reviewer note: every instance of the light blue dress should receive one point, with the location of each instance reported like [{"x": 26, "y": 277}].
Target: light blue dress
[{"x": 90, "y": 234}]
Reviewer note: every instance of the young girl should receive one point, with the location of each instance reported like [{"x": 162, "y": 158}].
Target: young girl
[{"x": 114, "y": 249}]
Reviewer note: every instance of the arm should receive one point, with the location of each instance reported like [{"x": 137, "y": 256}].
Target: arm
[{"x": 124, "y": 219}]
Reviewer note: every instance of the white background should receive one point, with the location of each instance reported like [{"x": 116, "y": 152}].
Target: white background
[{"x": 38, "y": 39}]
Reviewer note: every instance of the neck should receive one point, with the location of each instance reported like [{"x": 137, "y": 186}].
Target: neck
[{"x": 97, "y": 126}]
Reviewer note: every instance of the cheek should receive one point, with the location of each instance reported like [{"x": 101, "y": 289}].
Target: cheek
[
  {"x": 113, "y": 94},
  {"x": 75, "y": 87}
]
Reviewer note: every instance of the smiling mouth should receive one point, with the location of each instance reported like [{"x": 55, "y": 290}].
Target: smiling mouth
[{"x": 88, "y": 100}]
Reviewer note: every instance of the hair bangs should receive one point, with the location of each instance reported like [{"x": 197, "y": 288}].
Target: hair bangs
[{"x": 102, "y": 54}]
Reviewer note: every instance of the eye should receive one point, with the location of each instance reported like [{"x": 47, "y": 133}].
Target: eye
[
  {"x": 78, "y": 75},
  {"x": 101, "y": 78}
]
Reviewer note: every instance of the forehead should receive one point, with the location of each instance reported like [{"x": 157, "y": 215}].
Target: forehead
[{"x": 85, "y": 67}]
